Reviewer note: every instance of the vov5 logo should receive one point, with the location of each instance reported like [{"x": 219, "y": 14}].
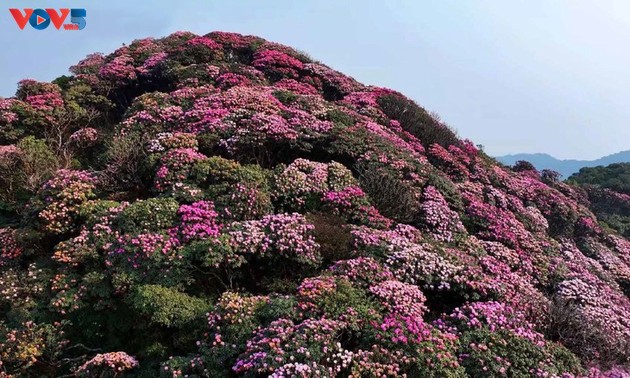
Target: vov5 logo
[{"x": 40, "y": 19}]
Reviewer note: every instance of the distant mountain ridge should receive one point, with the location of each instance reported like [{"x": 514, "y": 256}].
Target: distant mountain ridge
[{"x": 565, "y": 167}]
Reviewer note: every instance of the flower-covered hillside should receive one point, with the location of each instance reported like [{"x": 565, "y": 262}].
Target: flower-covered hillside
[{"x": 220, "y": 205}]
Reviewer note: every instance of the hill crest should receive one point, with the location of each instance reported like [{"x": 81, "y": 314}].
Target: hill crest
[{"x": 222, "y": 205}]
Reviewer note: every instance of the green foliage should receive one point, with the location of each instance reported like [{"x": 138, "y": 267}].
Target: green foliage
[
  {"x": 153, "y": 214},
  {"x": 92, "y": 211},
  {"x": 277, "y": 307},
  {"x": 285, "y": 97},
  {"x": 612, "y": 210},
  {"x": 212, "y": 253},
  {"x": 499, "y": 353},
  {"x": 430, "y": 364},
  {"x": 392, "y": 196},
  {"x": 174, "y": 71},
  {"x": 126, "y": 162},
  {"x": 417, "y": 121},
  {"x": 229, "y": 183},
  {"x": 347, "y": 296},
  {"x": 332, "y": 235},
  {"x": 38, "y": 162},
  {"x": 563, "y": 359},
  {"x": 168, "y": 307},
  {"x": 217, "y": 174},
  {"x": 447, "y": 188},
  {"x": 614, "y": 176},
  {"x": 340, "y": 118}
]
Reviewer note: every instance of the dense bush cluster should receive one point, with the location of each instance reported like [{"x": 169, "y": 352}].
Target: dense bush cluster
[
  {"x": 608, "y": 190},
  {"x": 614, "y": 176},
  {"x": 221, "y": 205}
]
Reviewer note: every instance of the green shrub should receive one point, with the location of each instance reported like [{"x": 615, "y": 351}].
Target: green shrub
[
  {"x": 340, "y": 118},
  {"x": 564, "y": 360},
  {"x": 39, "y": 162},
  {"x": 614, "y": 176},
  {"x": 346, "y": 296},
  {"x": 168, "y": 307},
  {"x": 447, "y": 188},
  {"x": 500, "y": 353},
  {"x": 332, "y": 234},
  {"x": 241, "y": 189},
  {"x": 277, "y": 307},
  {"x": 285, "y": 97},
  {"x": 91, "y": 211},
  {"x": 212, "y": 253},
  {"x": 126, "y": 162},
  {"x": 393, "y": 197},
  {"x": 153, "y": 214},
  {"x": 417, "y": 121}
]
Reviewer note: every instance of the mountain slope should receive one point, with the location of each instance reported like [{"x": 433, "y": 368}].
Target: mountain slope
[
  {"x": 222, "y": 205},
  {"x": 608, "y": 189},
  {"x": 565, "y": 167}
]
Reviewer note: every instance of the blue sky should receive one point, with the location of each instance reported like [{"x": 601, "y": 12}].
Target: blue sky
[{"x": 514, "y": 76}]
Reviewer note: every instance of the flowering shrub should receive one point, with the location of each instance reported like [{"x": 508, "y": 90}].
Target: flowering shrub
[
  {"x": 495, "y": 316},
  {"x": 84, "y": 137},
  {"x": 111, "y": 364},
  {"x": 589, "y": 303},
  {"x": 172, "y": 141},
  {"x": 304, "y": 182},
  {"x": 277, "y": 64},
  {"x": 438, "y": 218},
  {"x": 400, "y": 299},
  {"x": 149, "y": 258},
  {"x": 9, "y": 248},
  {"x": 319, "y": 226},
  {"x": 62, "y": 196},
  {"x": 175, "y": 167},
  {"x": 362, "y": 271},
  {"x": 282, "y": 235},
  {"x": 198, "y": 221},
  {"x": 284, "y": 343},
  {"x": 421, "y": 265},
  {"x": 29, "y": 344},
  {"x": 119, "y": 70},
  {"x": 353, "y": 204}
]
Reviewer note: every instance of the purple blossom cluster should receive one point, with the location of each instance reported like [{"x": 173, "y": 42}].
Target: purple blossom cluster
[
  {"x": 198, "y": 221},
  {"x": 305, "y": 180},
  {"x": 62, "y": 197},
  {"x": 85, "y": 137},
  {"x": 175, "y": 167},
  {"x": 119, "y": 69},
  {"x": 363, "y": 271},
  {"x": 9, "y": 248},
  {"x": 285, "y": 235},
  {"x": 278, "y": 63},
  {"x": 133, "y": 250},
  {"x": 400, "y": 298},
  {"x": 284, "y": 343},
  {"x": 496, "y": 316},
  {"x": 113, "y": 362},
  {"x": 438, "y": 218}
]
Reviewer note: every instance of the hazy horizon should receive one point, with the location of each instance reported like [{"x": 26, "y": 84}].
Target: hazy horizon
[{"x": 535, "y": 77}]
